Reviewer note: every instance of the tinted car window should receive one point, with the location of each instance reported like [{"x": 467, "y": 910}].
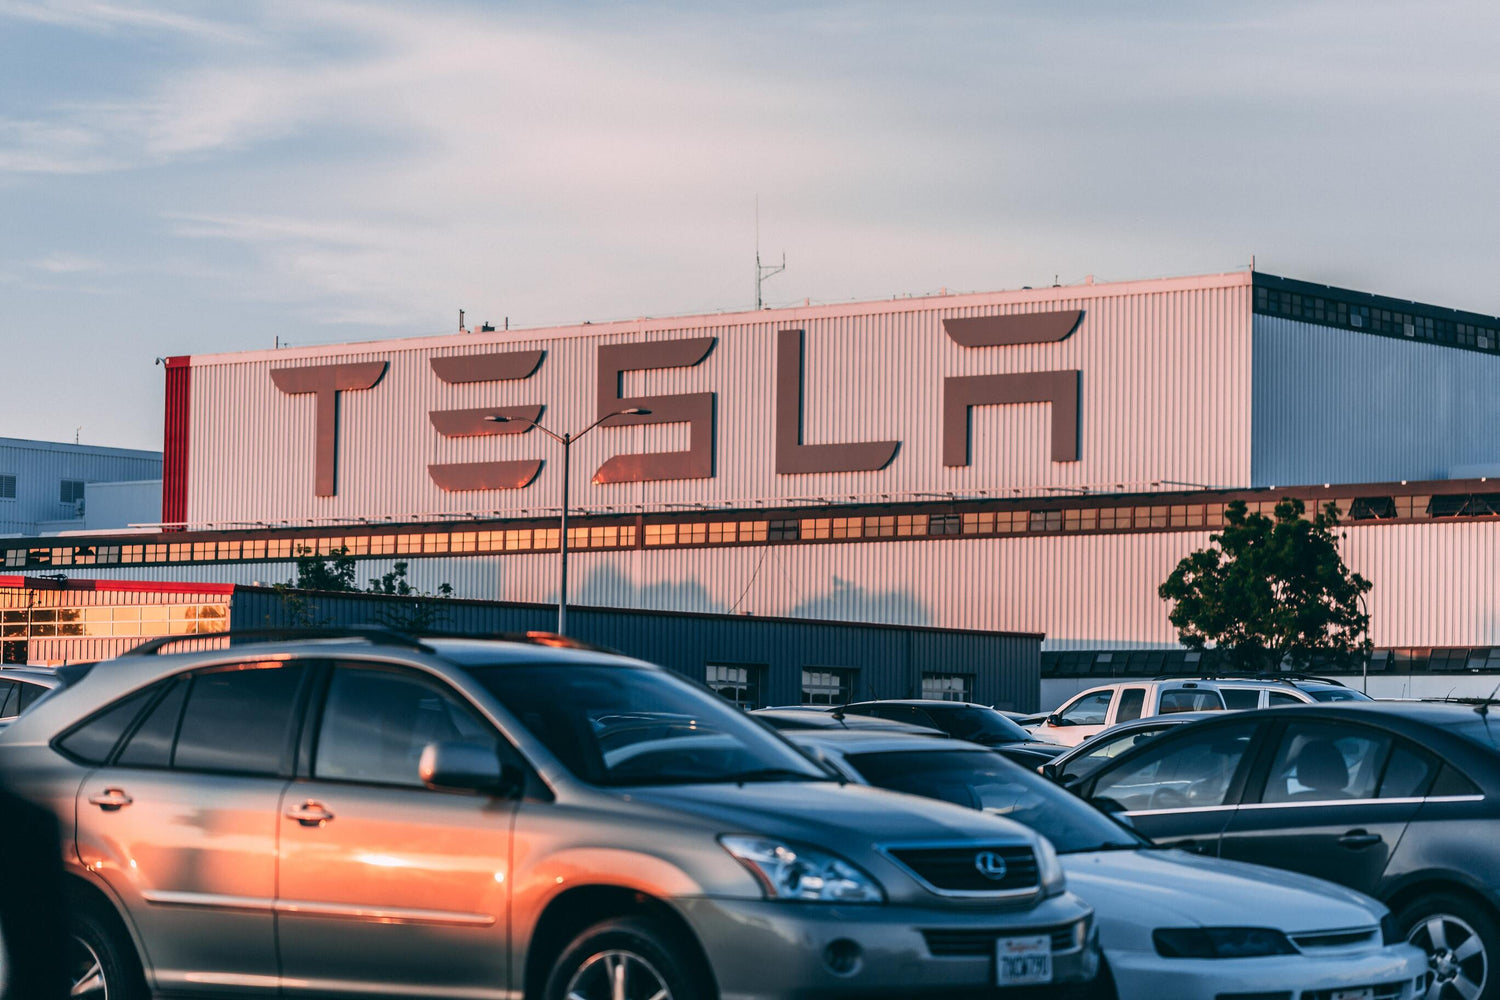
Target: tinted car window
[
  {"x": 632, "y": 726},
  {"x": 10, "y": 699},
  {"x": 30, "y": 693},
  {"x": 1276, "y": 698},
  {"x": 1106, "y": 750},
  {"x": 1192, "y": 772},
  {"x": 151, "y": 744},
  {"x": 1132, "y": 700},
  {"x": 983, "y": 780},
  {"x": 92, "y": 741},
  {"x": 978, "y": 725},
  {"x": 1408, "y": 772},
  {"x": 1090, "y": 710},
  {"x": 1319, "y": 762},
  {"x": 1451, "y": 782},
  {"x": 239, "y": 719},
  {"x": 1188, "y": 700},
  {"x": 1336, "y": 694},
  {"x": 1241, "y": 699},
  {"x": 377, "y": 722}
]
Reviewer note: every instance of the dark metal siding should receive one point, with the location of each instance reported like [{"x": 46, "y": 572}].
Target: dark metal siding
[{"x": 890, "y": 660}]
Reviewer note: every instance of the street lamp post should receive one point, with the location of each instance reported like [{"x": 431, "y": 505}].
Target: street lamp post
[{"x": 566, "y": 440}]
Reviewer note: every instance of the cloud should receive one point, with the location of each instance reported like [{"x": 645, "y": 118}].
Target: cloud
[
  {"x": 103, "y": 17},
  {"x": 65, "y": 263}
]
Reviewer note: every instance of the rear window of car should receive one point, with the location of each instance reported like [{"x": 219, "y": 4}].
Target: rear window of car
[{"x": 92, "y": 740}]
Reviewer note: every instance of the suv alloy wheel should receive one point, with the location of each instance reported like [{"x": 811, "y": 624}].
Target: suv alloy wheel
[{"x": 630, "y": 957}]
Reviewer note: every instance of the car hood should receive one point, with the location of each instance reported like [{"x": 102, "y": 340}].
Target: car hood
[
  {"x": 1047, "y": 749},
  {"x": 830, "y": 814},
  {"x": 1134, "y": 892}
]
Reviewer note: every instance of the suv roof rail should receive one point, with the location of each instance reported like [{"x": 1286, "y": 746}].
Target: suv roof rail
[
  {"x": 375, "y": 634},
  {"x": 535, "y": 637},
  {"x": 1250, "y": 675}
]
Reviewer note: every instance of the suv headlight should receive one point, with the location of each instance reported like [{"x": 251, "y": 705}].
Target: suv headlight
[
  {"x": 802, "y": 873},
  {"x": 1049, "y": 870},
  {"x": 1220, "y": 942}
]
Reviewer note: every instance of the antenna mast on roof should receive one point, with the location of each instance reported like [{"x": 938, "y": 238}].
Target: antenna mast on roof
[{"x": 763, "y": 271}]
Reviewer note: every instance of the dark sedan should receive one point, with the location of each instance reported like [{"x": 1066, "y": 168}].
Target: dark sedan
[
  {"x": 962, "y": 721},
  {"x": 1392, "y": 799}
]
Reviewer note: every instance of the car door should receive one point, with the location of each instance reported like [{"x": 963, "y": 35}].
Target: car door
[
  {"x": 181, "y": 821},
  {"x": 1181, "y": 788},
  {"x": 388, "y": 887},
  {"x": 1333, "y": 802},
  {"x": 1083, "y": 717}
]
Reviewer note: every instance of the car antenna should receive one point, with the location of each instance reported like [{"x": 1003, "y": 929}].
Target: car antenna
[
  {"x": 838, "y": 713},
  {"x": 1483, "y": 708}
]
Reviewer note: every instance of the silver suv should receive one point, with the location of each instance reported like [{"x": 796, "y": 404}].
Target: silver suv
[{"x": 377, "y": 815}]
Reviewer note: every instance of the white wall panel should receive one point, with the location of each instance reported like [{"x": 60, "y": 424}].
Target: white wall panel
[
  {"x": 1165, "y": 396},
  {"x": 1435, "y": 584}
]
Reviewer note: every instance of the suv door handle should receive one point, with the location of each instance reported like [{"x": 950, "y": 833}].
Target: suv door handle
[
  {"x": 310, "y": 813},
  {"x": 1356, "y": 839},
  {"x": 111, "y": 799}
]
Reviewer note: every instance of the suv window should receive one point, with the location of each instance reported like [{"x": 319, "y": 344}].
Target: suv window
[
  {"x": 377, "y": 722},
  {"x": 151, "y": 745},
  {"x": 1276, "y": 698},
  {"x": 1188, "y": 700},
  {"x": 1132, "y": 701},
  {"x": 92, "y": 740},
  {"x": 1090, "y": 710},
  {"x": 1319, "y": 762},
  {"x": 1241, "y": 699},
  {"x": 29, "y": 694},
  {"x": 239, "y": 719},
  {"x": 1191, "y": 772},
  {"x": 10, "y": 699}
]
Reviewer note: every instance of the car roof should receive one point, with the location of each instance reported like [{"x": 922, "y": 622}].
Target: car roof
[
  {"x": 924, "y": 702},
  {"x": 801, "y": 719},
  {"x": 877, "y": 741},
  {"x": 40, "y": 676}
]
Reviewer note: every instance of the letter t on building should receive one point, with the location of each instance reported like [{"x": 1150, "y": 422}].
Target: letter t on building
[{"x": 326, "y": 382}]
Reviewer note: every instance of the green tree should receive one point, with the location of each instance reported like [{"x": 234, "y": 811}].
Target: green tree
[
  {"x": 1271, "y": 593},
  {"x": 417, "y": 612}
]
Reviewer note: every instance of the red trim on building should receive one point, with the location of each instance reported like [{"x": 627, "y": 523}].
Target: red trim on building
[
  {"x": 117, "y": 586},
  {"x": 175, "y": 441}
]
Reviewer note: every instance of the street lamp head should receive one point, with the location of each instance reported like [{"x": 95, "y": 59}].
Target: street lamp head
[
  {"x": 498, "y": 418},
  {"x": 635, "y": 411}
]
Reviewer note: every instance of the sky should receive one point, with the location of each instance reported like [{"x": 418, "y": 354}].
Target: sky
[{"x": 187, "y": 178}]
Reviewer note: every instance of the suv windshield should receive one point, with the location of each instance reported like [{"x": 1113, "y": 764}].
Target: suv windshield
[
  {"x": 1335, "y": 694},
  {"x": 981, "y": 779},
  {"x": 630, "y": 726}
]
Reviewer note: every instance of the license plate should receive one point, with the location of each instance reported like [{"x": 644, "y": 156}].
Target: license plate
[
  {"x": 1363, "y": 993},
  {"x": 1023, "y": 961}
]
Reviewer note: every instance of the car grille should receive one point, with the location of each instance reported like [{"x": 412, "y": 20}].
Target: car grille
[
  {"x": 966, "y": 942},
  {"x": 1337, "y": 939},
  {"x": 956, "y": 869}
]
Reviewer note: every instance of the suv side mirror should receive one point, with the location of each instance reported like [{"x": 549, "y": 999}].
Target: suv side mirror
[
  {"x": 1054, "y": 719},
  {"x": 468, "y": 767}
]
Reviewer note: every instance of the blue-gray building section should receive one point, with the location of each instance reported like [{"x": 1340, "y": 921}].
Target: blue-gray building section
[
  {"x": 32, "y": 474},
  {"x": 888, "y": 661},
  {"x": 1354, "y": 388}
]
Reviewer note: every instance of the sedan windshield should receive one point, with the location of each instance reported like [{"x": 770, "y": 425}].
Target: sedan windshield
[
  {"x": 980, "y": 779},
  {"x": 632, "y": 726},
  {"x": 980, "y": 725}
]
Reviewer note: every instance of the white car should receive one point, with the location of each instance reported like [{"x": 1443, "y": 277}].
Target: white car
[
  {"x": 1171, "y": 924},
  {"x": 1090, "y": 712}
]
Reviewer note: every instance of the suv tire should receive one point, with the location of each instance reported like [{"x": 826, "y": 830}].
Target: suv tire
[
  {"x": 99, "y": 951},
  {"x": 637, "y": 948},
  {"x": 1455, "y": 919}
]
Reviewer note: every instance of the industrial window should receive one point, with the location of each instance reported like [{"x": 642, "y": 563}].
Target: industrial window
[
  {"x": 71, "y": 491},
  {"x": 944, "y": 524},
  {"x": 783, "y": 531},
  {"x": 740, "y": 683},
  {"x": 7, "y": 487},
  {"x": 827, "y": 685},
  {"x": 948, "y": 687}
]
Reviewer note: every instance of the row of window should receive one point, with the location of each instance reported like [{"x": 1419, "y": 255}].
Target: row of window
[
  {"x": 465, "y": 540},
  {"x": 1180, "y": 662},
  {"x": 136, "y": 620},
  {"x": 744, "y": 684},
  {"x": 70, "y": 491},
  {"x": 1436, "y": 325}
]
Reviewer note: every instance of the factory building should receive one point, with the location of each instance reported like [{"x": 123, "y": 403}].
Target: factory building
[
  {"x": 1031, "y": 461},
  {"x": 47, "y": 487}
]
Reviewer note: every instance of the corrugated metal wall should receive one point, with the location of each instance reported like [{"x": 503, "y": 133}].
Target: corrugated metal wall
[
  {"x": 1165, "y": 396},
  {"x": 890, "y": 662},
  {"x": 1340, "y": 406},
  {"x": 1435, "y": 584},
  {"x": 40, "y": 467}
]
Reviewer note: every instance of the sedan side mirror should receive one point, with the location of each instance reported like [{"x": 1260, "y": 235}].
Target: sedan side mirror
[
  {"x": 468, "y": 767},
  {"x": 1049, "y": 771}
]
